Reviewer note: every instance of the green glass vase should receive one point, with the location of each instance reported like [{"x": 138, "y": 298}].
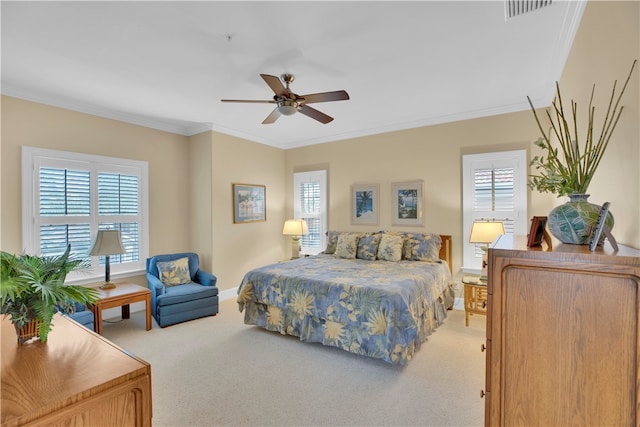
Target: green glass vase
[{"x": 574, "y": 221}]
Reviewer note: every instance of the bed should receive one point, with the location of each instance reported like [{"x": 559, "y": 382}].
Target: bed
[{"x": 374, "y": 294}]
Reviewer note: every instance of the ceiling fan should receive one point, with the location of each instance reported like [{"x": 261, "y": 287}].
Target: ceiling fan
[{"x": 288, "y": 103}]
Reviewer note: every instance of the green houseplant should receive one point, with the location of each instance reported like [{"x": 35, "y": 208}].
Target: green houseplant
[
  {"x": 32, "y": 289},
  {"x": 570, "y": 162}
]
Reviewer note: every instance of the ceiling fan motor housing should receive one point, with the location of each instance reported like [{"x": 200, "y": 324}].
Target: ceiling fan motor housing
[{"x": 287, "y": 107}]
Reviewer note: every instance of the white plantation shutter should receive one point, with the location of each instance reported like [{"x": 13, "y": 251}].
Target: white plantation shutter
[
  {"x": 309, "y": 203},
  {"x": 68, "y": 197},
  {"x": 494, "y": 188},
  {"x": 64, "y": 194}
]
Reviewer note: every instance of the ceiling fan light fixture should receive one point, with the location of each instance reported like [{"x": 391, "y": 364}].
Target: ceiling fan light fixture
[{"x": 287, "y": 107}]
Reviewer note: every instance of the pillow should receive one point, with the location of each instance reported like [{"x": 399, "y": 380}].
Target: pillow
[
  {"x": 347, "y": 246},
  {"x": 390, "y": 248},
  {"x": 332, "y": 241},
  {"x": 422, "y": 247},
  {"x": 174, "y": 272},
  {"x": 368, "y": 247}
]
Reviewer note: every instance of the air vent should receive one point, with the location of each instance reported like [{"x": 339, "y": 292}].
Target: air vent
[{"x": 518, "y": 7}]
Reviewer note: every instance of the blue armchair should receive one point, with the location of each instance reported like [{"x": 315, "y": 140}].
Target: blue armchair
[
  {"x": 80, "y": 314},
  {"x": 172, "y": 304}
]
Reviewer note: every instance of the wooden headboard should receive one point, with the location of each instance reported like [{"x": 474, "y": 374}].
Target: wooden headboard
[{"x": 445, "y": 250}]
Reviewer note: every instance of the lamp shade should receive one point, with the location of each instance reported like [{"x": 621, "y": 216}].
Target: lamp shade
[
  {"x": 485, "y": 231},
  {"x": 295, "y": 227},
  {"x": 107, "y": 243}
]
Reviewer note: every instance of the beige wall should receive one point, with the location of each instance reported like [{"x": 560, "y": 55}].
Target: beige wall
[
  {"x": 26, "y": 123},
  {"x": 191, "y": 177},
  {"x": 606, "y": 45},
  {"x": 189, "y": 184},
  {"x": 432, "y": 154},
  {"x": 239, "y": 247},
  {"x": 201, "y": 204}
]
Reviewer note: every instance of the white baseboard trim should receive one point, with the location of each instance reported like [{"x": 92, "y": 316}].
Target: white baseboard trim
[
  {"x": 227, "y": 294},
  {"x": 458, "y": 304}
]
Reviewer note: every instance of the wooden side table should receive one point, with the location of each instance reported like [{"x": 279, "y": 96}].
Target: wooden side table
[
  {"x": 121, "y": 296},
  {"x": 475, "y": 297}
]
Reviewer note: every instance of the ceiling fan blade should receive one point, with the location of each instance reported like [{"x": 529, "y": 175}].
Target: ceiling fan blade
[
  {"x": 338, "y": 95},
  {"x": 275, "y": 84},
  {"x": 255, "y": 101},
  {"x": 315, "y": 114},
  {"x": 271, "y": 117}
]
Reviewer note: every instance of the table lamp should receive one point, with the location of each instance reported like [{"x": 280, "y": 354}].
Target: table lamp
[
  {"x": 296, "y": 228},
  {"x": 107, "y": 243},
  {"x": 485, "y": 232}
]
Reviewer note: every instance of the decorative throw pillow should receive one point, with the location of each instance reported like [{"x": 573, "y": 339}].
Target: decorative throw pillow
[
  {"x": 347, "y": 246},
  {"x": 390, "y": 248},
  {"x": 174, "y": 272},
  {"x": 332, "y": 241},
  {"x": 422, "y": 247},
  {"x": 368, "y": 247}
]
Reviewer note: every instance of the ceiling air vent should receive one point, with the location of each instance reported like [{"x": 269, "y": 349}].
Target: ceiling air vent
[{"x": 518, "y": 7}]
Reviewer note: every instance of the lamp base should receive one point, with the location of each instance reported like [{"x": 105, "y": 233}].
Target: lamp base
[
  {"x": 295, "y": 249},
  {"x": 107, "y": 285}
]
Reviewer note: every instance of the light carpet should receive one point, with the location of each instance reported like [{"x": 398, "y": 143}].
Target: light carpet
[{"x": 218, "y": 371}]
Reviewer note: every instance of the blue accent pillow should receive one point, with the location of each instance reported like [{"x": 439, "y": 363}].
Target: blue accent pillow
[
  {"x": 368, "y": 247},
  {"x": 422, "y": 247}
]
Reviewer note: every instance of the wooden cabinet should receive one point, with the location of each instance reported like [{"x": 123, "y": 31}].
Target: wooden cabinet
[
  {"x": 76, "y": 378},
  {"x": 562, "y": 335}
]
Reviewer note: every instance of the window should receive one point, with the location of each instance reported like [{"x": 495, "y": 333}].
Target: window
[
  {"x": 310, "y": 204},
  {"x": 68, "y": 197},
  {"x": 494, "y": 187}
]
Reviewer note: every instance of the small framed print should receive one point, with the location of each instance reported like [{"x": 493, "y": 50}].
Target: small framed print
[
  {"x": 602, "y": 228},
  {"x": 406, "y": 203},
  {"x": 249, "y": 203},
  {"x": 364, "y": 204},
  {"x": 537, "y": 231}
]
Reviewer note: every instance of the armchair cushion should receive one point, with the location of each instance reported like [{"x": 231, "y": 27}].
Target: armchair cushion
[{"x": 174, "y": 272}]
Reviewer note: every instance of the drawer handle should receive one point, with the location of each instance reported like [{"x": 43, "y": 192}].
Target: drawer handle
[
  {"x": 481, "y": 394},
  {"x": 483, "y": 348},
  {"x": 484, "y": 304}
]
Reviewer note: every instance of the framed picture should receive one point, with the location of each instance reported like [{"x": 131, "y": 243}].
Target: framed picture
[
  {"x": 249, "y": 203},
  {"x": 406, "y": 203},
  {"x": 600, "y": 229},
  {"x": 364, "y": 204},
  {"x": 537, "y": 231}
]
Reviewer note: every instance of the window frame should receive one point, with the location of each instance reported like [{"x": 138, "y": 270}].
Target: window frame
[
  {"x": 33, "y": 158},
  {"x": 471, "y": 262},
  {"x": 312, "y": 176}
]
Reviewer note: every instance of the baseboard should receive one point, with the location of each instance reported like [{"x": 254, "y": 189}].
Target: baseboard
[
  {"x": 227, "y": 294},
  {"x": 458, "y": 304}
]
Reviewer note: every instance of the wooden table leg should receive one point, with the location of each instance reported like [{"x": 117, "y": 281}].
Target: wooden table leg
[
  {"x": 467, "y": 301},
  {"x": 97, "y": 318},
  {"x": 148, "y": 310},
  {"x": 126, "y": 314}
]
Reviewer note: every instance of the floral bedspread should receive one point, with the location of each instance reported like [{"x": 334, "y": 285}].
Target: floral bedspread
[{"x": 380, "y": 309}]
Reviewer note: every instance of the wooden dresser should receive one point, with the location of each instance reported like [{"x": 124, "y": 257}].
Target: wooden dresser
[
  {"x": 563, "y": 343},
  {"x": 76, "y": 378}
]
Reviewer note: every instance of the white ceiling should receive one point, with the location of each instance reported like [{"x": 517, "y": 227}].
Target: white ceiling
[{"x": 166, "y": 65}]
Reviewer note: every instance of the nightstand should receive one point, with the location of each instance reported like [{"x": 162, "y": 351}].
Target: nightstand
[{"x": 475, "y": 297}]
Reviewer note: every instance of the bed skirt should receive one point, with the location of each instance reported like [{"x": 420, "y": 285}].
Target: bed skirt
[{"x": 351, "y": 338}]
